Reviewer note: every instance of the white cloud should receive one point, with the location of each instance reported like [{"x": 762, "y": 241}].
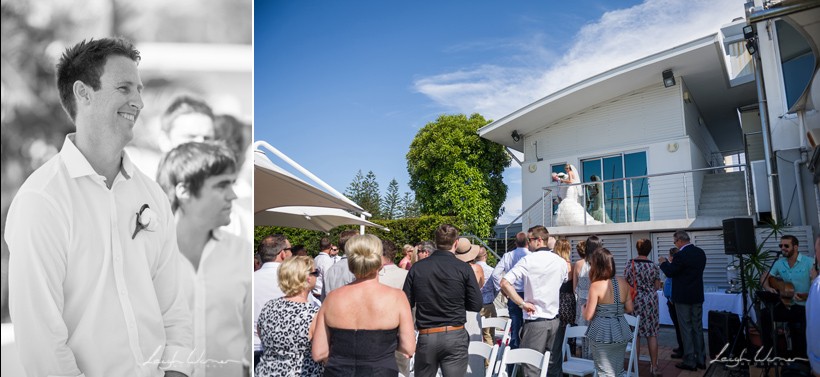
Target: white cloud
[{"x": 617, "y": 38}]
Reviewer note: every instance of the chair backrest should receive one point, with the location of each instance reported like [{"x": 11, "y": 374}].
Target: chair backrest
[
  {"x": 523, "y": 356},
  {"x": 479, "y": 352},
  {"x": 572, "y": 332},
  {"x": 632, "y": 365},
  {"x": 503, "y": 324}
]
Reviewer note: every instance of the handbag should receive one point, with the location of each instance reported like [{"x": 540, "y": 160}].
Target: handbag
[{"x": 633, "y": 288}]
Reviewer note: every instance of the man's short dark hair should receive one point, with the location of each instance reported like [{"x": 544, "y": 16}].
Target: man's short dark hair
[
  {"x": 85, "y": 61},
  {"x": 540, "y": 232},
  {"x": 794, "y": 240},
  {"x": 521, "y": 239},
  {"x": 181, "y": 105},
  {"x": 190, "y": 164},
  {"x": 344, "y": 236},
  {"x": 389, "y": 250},
  {"x": 324, "y": 243},
  {"x": 445, "y": 236},
  {"x": 296, "y": 249},
  {"x": 270, "y": 247}
]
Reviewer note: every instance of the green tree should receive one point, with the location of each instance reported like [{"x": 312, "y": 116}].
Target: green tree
[
  {"x": 391, "y": 205},
  {"x": 409, "y": 206},
  {"x": 364, "y": 190},
  {"x": 455, "y": 172}
]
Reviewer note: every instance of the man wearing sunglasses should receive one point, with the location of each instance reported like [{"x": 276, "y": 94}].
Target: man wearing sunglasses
[{"x": 798, "y": 270}]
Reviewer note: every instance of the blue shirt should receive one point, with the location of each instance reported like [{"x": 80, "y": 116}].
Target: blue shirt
[
  {"x": 667, "y": 288},
  {"x": 799, "y": 275},
  {"x": 813, "y": 325}
]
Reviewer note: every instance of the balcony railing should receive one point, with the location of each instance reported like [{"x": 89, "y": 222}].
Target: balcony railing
[{"x": 665, "y": 196}]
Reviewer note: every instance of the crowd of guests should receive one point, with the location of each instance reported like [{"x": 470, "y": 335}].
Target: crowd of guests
[{"x": 372, "y": 316}]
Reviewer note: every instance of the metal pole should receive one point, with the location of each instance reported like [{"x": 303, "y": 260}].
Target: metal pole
[{"x": 771, "y": 167}]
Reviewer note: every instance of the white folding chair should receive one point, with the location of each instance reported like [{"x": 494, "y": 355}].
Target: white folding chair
[
  {"x": 523, "y": 356},
  {"x": 576, "y": 366},
  {"x": 503, "y": 324},
  {"x": 632, "y": 366},
  {"x": 478, "y": 352}
]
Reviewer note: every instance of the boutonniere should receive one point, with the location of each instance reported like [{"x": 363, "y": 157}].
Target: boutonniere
[{"x": 146, "y": 219}]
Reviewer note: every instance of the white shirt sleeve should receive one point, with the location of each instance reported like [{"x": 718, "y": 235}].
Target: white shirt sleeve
[
  {"x": 173, "y": 304},
  {"x": 38, "y": 236},
  {"x": 500, "y": 269},
  {"x": 518, "y": 272}
]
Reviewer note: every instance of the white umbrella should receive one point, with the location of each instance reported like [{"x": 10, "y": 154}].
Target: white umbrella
[
  {"x": 274, "y": 187},
  {"x": 312, "y": 218}
]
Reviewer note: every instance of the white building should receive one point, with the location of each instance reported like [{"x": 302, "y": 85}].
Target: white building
[{"x": 663, "y": 150}]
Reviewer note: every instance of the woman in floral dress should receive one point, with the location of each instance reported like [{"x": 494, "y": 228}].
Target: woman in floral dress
[{"x": 644, "y": 275}]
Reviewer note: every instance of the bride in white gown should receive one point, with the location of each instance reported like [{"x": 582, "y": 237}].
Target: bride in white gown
[{"x": 571, "y": 211}]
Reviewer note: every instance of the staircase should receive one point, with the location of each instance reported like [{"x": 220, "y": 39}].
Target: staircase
[{"x": 723, "y": 195}]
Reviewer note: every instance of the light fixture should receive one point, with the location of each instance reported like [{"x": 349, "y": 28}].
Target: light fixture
[
  {"x": 668, "y": 78},
  {"x": 751, "y": 46},
  {"x": 516, "y": 136},
  {"x": 672, "y": 147},
  {"x": 748, "y": 32}
]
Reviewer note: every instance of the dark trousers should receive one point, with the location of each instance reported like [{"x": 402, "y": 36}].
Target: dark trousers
[
  {"x": 541, "y": 336},
  {"x": 516, "y": 321},
  {"x": 795, "y": 316},
  {"x": 674, "y": 315},
  {"x": 445, "y": 350},
  {"x": 690, "y": 318}
]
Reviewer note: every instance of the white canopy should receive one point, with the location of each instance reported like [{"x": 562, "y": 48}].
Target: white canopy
[
  {"x": 313, "y": 218},
  {"x": 274, "y": 187}
]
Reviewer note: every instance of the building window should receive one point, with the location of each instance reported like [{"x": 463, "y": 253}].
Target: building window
[
  {"x": 796, "y": 59},
  {"x": 624, "y": 200}
]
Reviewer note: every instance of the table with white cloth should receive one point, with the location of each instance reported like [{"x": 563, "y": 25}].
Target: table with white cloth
[{"x": 731, "y": 302}]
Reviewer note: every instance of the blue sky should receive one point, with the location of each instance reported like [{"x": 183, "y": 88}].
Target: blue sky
[{"x": 344, "y": 86}]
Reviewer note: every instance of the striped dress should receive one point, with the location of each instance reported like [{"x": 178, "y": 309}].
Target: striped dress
[{"x": 608, "y": 333}]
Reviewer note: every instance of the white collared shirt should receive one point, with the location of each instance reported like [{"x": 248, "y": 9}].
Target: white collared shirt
[
  {"x": 266, "y": 288},
  {"x": 323, "y": 262},
  {"x": 85, "y": 297},
  {"x": 508, "y": 261},
  {"x": 219, "y": 294},
  {"x": 542, "y": 273}
]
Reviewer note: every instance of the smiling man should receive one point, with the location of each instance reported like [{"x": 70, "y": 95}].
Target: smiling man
[
  {"x": 93, "y": 262},
  {"x": 198, "y": 179}
]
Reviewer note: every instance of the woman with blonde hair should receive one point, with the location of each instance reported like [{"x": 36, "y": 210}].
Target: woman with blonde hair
[
  {"x": 362, "y": 324},
  {"x": 608, "y": 300},
  {"x": 407, "y": 261},
  {"x": 287, "y": 324}
]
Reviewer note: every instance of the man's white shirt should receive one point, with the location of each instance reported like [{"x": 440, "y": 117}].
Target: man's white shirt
[
  {"x": 219, "y": 294},
  {"x": 266, "y": 288},
  {"x": 85, "y": 296},
  {"x": 323, "y": 262},
  {"x": 542, "y": 273},
  {"x": 508, "y": 261}
]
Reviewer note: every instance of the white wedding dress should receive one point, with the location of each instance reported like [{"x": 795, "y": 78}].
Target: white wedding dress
[{"x": 571, "y": 211}]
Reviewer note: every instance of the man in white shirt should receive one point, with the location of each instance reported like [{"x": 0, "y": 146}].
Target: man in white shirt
[
  {"x": 214, "y": 265},
  {"x": 339, "y": 274},
  {"x": 93, "y": 269},
  {"x": 508, "y": 261},
  {"x": 272, "y": 251},
  {"x": 392, "y": 275},
  {"x": 323, "y": 261},
  {"x": 542, "y": 272}
]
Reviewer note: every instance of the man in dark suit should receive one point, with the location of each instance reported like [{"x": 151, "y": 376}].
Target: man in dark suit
[{"x": 686, "y": 271}]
